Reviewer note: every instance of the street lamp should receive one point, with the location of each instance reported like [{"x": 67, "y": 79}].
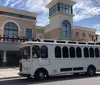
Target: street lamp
[{"x": 94, "y": 38}]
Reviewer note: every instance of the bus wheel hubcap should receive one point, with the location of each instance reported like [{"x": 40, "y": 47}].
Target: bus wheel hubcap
[
  {"x": 91, "y": 71},
  {"x": 41, "y": 75}
]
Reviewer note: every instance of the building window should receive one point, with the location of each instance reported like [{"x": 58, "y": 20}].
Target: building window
[
  {"x": 57, "y": 52},
  {"x": 44, "y": 52},
  {"x": 62, "y": 8},
  {"x": 17, "y": 15},
  {"x": 72, "y": 52},
  {"x": 78, "y": 52},
  {"x": 90, "y": 36},
  {"x": 77, "y": 33},
  {"x": 66, "y": 29},
  {"x": 97, "y": 52},
  {"x": 11, "y": 30},
  {"x": 53, "y": 10},
  {"x": 65, "y": 8},
  {"x": 86, "y": 52},
  {"x": 65, "y": 52},
  {"x": 29, "y": 33}
]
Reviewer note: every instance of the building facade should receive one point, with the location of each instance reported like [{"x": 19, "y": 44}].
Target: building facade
[
  {"x": 14, "y": 24},
  {"x": 61, "y": 19},
  {"x": 61, "y": 23},
  {"x": 82, "y": 33},
  {"x": 17, "y": 26}
]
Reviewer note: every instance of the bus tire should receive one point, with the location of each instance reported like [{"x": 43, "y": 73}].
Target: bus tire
[
  {"x": 91, "y": 71},
  {"x": 41, "y": 74}
]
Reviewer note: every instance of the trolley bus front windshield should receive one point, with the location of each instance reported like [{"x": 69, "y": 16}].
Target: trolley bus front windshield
[{"x": 25, "y": 52}]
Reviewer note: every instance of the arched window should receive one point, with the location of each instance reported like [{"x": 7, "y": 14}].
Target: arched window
[
  {"x": 66, "y": 29},
  {"x": 91, "y": 52},
  {"x": 86, "y": 52},
  {"x": 57, "y": 52},
  {"x": 36, "y": 51},
  {"x": 72, "y": 52},
  {"x": 97, "y": 52},
  {"x": 65, "y": 52},
  {"x": 44, "y": 52},
  {"x": 78, "y": 52},
  {"x": 11, "y": 29}
]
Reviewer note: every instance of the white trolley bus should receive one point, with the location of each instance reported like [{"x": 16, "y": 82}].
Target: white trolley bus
[{"x": 45, "y": 58}]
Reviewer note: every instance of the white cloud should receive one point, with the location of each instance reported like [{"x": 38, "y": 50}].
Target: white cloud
[
  {"x": 36, "y": 5},
  {"x": 39, "y": 7},
  {"x": 16, "y": 3},
  {"x": 85, "y": 9},
  {"x": 82, "y": 10},
  {"x": 7, "y": 2},
  {"x": 97, "y": 26}
]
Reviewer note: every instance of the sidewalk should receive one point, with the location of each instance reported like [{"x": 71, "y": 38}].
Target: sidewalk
[{"x": 11, "y": 72}]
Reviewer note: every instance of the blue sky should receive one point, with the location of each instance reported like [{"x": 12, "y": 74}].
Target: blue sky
[{"x": 87, "y": 12}]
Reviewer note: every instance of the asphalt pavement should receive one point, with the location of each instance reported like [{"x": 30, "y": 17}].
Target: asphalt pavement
[{"x": 60, "y": 80}]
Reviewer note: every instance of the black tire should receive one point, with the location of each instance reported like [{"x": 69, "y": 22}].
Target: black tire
[
  {"x": 91, "y": 71},
  {"x": 41, "y": 75}
]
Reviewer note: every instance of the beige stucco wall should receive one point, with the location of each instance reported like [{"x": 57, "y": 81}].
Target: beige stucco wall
[
  {"x": 57, "y": 19},
  {"x": 81, "y": 37},
  {"x": 16, "y": 11},
  {"x": 40, "y": 33},
  {"x": 55, "y": 34},
  {"x": 23, "y": 23}
]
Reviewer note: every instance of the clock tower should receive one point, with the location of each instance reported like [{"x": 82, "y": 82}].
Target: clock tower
[{"x": 61, "y": 17}]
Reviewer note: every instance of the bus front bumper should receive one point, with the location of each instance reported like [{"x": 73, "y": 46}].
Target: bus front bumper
[{"x": 24, "y": 75}]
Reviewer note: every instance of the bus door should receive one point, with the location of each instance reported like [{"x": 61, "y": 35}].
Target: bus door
[
  {"x": 25, "y": 59},
  {"x": 44, "y": 60}
]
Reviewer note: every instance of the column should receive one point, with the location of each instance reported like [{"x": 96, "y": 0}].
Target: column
[{"x": 4, "y": 59}]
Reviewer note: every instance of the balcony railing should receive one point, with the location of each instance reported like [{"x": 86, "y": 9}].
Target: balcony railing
[{"x": 13, "y": 39}]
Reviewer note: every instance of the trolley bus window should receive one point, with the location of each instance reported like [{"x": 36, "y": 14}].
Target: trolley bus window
[
  {"x": 57, "y": 52},
  {"x": 86, "y": 52},
  {"x": 65, "y": 52},
  {"x": 97, "y": 52},
  {"x": 44, "y": 52},
  {"x": 91, "y": 52},
  {"x": 25, "y": 52},
  {"x": 36, "y": 51},
  {"x": 78, "y": 52},
  {"x": 72, "y": 52}
]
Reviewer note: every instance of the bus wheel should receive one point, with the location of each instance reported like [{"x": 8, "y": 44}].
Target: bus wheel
[
  {"x": 41, "y": 75},
  {"x": 91, "y": 71}
]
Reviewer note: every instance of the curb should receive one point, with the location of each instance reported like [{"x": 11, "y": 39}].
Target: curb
[{"x": 10, "y": 77}]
